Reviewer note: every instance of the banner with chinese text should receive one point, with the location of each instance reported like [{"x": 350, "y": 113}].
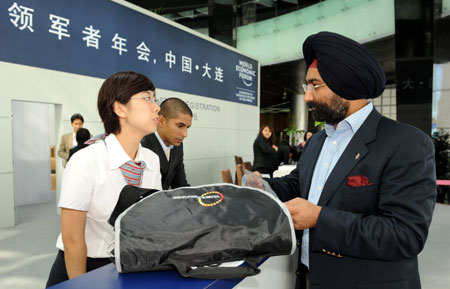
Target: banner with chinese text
[{"x": 98, "y": 38}]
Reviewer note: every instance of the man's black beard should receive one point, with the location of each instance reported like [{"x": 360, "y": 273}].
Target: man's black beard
[{"x": 331, "y": 113}]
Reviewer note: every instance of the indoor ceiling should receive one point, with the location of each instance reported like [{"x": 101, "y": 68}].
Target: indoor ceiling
[
  {"x": 280, "y": 83},
  {"x": 186, "y": 12}
]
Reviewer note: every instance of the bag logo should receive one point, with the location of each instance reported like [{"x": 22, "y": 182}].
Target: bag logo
[
  {"x": 210, "y": 195},
  {"x": 205, "y": 199}
]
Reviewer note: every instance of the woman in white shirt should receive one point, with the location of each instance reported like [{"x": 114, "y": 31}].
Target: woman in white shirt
[{"x": 94, "y": 177}]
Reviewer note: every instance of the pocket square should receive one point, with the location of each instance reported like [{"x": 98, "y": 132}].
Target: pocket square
[{"x": 358, "y": 181}]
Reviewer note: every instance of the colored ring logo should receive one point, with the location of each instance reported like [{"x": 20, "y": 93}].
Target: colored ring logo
[{"x": 210, "y": 195}]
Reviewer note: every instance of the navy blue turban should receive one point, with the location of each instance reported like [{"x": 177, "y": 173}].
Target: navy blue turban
[{"x": 348, "y": 68}]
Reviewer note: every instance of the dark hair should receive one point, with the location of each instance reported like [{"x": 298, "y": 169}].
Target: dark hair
[
  {"x": 171, "y": 107},
  {"x": 75, "y": 117},
  {"x": 270, "y": 139},
  {"x": 304, "y": 136},
  {"x": 120, "y": 86},
  {"x": 83, "y": 135}
]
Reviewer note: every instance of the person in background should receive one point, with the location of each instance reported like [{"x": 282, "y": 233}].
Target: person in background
[
  {"x": 83, "y": 135},
  {"x": 283, "y": 152},
  {"x": 308, "y": 134},
  {"x": 175, "y": 118},
  {"x": 363, "y": 193},
  {"x": 95, "y": 176},
  {"x": 265, "y": 159},
  {"x": 69, "y": 140},
  {"x": 293, "y": 155}
]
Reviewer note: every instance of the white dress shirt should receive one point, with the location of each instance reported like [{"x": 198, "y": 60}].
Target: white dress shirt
[
  {"x": 92, "y": 182},
  {"x": 165, "y": 148},
  {"x": 74, "y": 139}
]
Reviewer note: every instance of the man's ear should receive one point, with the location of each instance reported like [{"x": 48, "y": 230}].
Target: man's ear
[
  {"x": 162, "y": 121},
  {"x": 119, "y": 109}
]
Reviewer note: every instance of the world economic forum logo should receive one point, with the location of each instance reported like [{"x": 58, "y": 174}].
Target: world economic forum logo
[
  {"x": 208, "y": 199},
  {"x": 246, "y": 72}
]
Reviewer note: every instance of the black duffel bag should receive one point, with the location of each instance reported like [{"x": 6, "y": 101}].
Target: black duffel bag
[{"x": 196, "y": 229}]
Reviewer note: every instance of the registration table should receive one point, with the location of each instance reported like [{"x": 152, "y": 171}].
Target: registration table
[{"x": 276, "y": 272}]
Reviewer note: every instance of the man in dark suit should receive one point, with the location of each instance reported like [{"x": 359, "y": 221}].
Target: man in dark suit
[
  {"x": 363, "y": 193},
  {"x": 175, "y": 117}
]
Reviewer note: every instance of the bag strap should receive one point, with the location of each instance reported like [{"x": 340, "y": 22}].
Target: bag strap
[{"x": 220, "y": 272}]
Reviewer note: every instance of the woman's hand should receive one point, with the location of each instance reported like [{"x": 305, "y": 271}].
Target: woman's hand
[
  {"x": 73, "y": 224},
  {"x": 275, "y": 147}
]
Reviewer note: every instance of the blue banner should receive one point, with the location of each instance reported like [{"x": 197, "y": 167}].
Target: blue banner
[{"x": 98, "y": 38}]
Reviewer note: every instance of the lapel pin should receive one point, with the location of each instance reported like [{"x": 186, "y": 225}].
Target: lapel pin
[{"x": 357, "y": 156}]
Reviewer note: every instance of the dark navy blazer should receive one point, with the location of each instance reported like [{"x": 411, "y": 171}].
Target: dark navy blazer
[
  {"x": 369, "y": 236},
  {"x": 172, "y": 172}
]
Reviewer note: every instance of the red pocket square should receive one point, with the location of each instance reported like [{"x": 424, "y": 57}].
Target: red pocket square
[{"x": 358, "y": 181}]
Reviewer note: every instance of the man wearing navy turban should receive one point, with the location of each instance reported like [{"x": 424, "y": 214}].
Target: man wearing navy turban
[{"x": 363, "y": 193}]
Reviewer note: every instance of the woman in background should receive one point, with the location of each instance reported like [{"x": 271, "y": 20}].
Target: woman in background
[
  {"x": 265, "y": 158},
  {"x": 83, "y": 135},
  {"x": 95, "y": 176}
]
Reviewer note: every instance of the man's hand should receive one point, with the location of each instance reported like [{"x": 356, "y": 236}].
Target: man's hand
[
  {"x": 304, "y": 213},
  {"x": 258, "y": 174},
  {"x": 254, "y": 181}
]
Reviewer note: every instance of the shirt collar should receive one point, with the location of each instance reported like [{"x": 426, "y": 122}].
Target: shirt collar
[
  {"x": 354, "y": 121},
  {"x": 117, "y": 155},
  {"x": 163, "y": 145}
]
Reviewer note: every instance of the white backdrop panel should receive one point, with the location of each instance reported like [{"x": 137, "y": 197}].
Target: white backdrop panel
[{"x": 31, "y": 131}]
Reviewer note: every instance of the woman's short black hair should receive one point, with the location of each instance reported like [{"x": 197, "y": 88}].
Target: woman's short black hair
[
  {"x": 75, "y": 117},
  {"x": 120, "y": 86},
  {"x": 83, "y": 135}
]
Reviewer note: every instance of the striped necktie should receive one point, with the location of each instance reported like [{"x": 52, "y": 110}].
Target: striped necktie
[{"x": 132, "y": 172}]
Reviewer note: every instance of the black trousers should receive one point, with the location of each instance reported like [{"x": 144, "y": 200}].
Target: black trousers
[{"x": 58, "y": 273}]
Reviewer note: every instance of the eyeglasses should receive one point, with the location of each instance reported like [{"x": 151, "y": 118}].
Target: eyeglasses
[
  {"x": 311, "y": 87},
  {"x": 148, "y": 98}
]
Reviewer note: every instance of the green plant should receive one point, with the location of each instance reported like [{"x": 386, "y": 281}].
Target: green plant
[
  {"x": 292, "y": 131},
  {"x": 159, "y": 11},
  {"x": 442, "y": 154},
  {"x": 320, "y": 124}
]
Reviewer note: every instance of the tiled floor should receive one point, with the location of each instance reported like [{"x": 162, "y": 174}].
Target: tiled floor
[{"x": 28, "y": 250}]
